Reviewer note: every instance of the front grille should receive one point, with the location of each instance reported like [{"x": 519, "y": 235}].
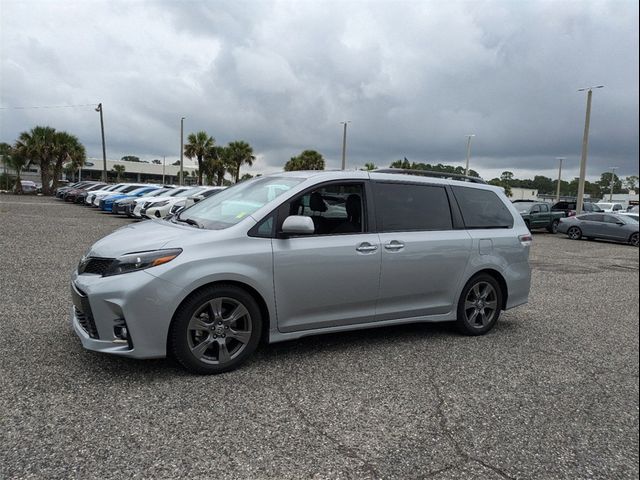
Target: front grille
[
  {"x": 86, "y": 322},
  {"x": 95, "y": 265}
]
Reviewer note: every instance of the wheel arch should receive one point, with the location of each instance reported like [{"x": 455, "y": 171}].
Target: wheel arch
[
  {"x": 262, "y": 304},
  {"x": 497, "y": 276}
]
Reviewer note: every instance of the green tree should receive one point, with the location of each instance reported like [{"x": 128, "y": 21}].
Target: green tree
[
  {"x": 406, "y": 165},
  {"x": 198, "y": 145},
  {"x": 119, "y": 171},
  {"x": 605, "y": 183},
  {"x": 67, "y": 150},
  {"x": 369, "y": 166},
  {"x": 17, "y": 161},
  {"x": 307, "y": 160},
  {"x": 156, "y": 162},
  {"x": 498, "y": 182},
  {"x": 216, "y": 164},
  {"x": 38, "y": 145},
  {"x": 239, "y": 153},
  {"x": 631, "y": 182},
  {"x": 130, "y": 158},
  {"x": 246, "y": 176}
]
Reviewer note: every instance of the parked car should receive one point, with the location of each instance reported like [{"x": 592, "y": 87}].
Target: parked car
[
  {"x": 106, "y": 203},
  {"x": 123, "y": 188},
  {"x": 71, "y": 194},
  {"x": 601, "y": 225},
  {"x": 125, "y": 205},
  {"x": 611, "y": 207},
  {"x": 27, "y": 187},
  {"x": 160, "y": 207},
  {"x": 191, "y": 199},
  {"x": 539, "y": 215},
  {"x": 92, "y": 195},
  {"x": 142, "y": 203},
  {"x": 204, "y": 285},
  {"x": 569, "y": 208},
  {"x": 59, "y": 192}
]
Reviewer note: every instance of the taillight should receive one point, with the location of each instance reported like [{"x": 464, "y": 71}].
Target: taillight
[{"x": 525, "y": 240}]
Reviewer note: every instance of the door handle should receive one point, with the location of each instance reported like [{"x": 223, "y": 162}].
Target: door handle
[
  {"x": 366, "y": 247},
  {"x": 394, "y": 245}
]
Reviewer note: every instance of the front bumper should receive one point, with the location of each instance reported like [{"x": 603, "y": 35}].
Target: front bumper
[{"x": 138, "y": 300}]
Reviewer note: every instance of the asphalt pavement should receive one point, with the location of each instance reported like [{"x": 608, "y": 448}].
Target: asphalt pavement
[{"x": 551, "y": 392}]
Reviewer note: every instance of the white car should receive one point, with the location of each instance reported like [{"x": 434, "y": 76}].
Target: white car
[
  {"x": 142, "y": 203},
  {"x": 91, "y": 195},
  {"x": 162, "y": 207},
  {"x": 610, "y": 207},
  {"x": 190, "y": 200}
]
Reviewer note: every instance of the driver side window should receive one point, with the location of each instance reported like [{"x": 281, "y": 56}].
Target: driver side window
[{"x": 334, "y": 209}]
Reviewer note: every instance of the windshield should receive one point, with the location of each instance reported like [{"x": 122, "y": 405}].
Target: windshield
[
  {"x": 235, "y": 203},
  {"x": 522, "y": 207},
  {"x": 596, "y": 208},
  {"x": 606, "y": 206},
  {"x": 191, "y": 191},
  {"x": 633, "y": 218}
]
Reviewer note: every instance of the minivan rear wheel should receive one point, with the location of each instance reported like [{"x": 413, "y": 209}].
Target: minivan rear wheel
[
  {"x": 479, "y": 305},
  {"x": 216, "y": 330}
]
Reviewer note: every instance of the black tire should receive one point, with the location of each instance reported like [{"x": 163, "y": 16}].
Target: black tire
[
  {"x": 633, "y": 239},
  {"x": 186, "y": 340},
  {"x": 554, "y": 226},
  {"x": 574, "y": 233},
  {"x": 465, "y": 321}
]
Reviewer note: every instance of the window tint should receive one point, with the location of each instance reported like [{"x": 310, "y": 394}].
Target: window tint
[
  {"x": 482, "y": 208},
  {"x": 610, "y": 219},
  {"x": 592, "y": 218},
  {"x": 402, "y": 207},
  {"x": 544, "y": 208},
  {"x": 535, "y": 209},
  {"x": 335, "y": 209}
]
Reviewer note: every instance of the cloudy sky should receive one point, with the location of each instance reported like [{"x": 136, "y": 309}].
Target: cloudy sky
[{"x": 412, "y": 77}]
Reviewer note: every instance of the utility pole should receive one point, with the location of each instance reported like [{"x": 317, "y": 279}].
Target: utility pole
[
  {"x": 560, "y": 159},
  {"x": 466, "y": 168},
  {"x": 585, "y": 148},
  {"x": 182, "y": 151},
  {"x": 164, "y": 159},
  {"x": 104, "y": 148},
  {"x": 344, "y": 144},
  {"x": 613, "y": 174}
]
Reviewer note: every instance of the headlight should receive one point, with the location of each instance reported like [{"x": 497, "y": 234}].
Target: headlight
[
  {"x": 132, "y": 262},
  {"x": 159, "y": 204}
]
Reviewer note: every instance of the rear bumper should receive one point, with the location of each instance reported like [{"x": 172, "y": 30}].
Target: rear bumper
[{"x": 518, "y": 277}]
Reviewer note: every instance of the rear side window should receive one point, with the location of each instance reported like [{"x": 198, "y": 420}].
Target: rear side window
[
  {"x": 544, "y": 208},
  {"x": 406, "y": 207},
  {"x": 482, "y": 208}
]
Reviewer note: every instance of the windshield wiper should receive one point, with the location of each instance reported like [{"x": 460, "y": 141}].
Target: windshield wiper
[{"x": 189, "y": 221}]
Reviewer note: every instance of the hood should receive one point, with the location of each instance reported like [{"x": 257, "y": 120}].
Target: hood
[{"x": 138, "y": 237}]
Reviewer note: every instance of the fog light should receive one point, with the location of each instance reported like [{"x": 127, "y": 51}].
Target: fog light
[{"x": 121, "y": 333}]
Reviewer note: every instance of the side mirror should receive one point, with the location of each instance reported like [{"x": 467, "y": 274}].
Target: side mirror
[{"x": 298, "y": 225}]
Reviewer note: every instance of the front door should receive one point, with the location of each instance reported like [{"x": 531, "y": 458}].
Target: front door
[{"x": 330, "y": 278}]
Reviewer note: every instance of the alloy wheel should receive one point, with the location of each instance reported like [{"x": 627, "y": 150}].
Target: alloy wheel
[
  {"x": 481, "y": 305},
  {"x": 574, "y": 233},
  {"x": 635, "y": 240},
  {"x": 219, "y": 331}
]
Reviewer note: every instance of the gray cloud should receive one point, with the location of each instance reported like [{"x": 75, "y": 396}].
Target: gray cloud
[{"x": 412, "y": 77}]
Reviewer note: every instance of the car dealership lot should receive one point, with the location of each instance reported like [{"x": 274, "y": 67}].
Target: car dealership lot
[{"x": 551, "y": 392}]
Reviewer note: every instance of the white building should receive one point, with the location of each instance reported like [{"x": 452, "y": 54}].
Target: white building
[{"x": 518, "y": 193}]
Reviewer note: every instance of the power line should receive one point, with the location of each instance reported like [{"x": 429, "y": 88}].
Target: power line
[{"x": 49, "y": 106}]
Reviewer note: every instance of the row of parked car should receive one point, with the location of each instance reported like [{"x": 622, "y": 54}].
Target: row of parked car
[
  {"x": 136, "y": 200},
  {"x": 603, "y": 220}
]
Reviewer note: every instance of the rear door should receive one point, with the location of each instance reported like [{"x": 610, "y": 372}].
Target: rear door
[
  {"x": 423, "y": 256},
  {"x": 613, "y": 229},
  {"x": 592, "y": 225}
]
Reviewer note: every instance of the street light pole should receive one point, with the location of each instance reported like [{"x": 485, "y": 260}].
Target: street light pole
[
  {"x": 344, "y": 144},
  {"x": 560, "y": 159},
  {"x": 181, "y": 151},
  {"x": 613, "y": 173},
  {"x": 466, "y": 168},
  {"x": 585, "y": 148},
  {"x": 104, "y": 148}
]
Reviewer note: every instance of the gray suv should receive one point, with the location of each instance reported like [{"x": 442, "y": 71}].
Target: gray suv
[{"x": 293, "y": 254}]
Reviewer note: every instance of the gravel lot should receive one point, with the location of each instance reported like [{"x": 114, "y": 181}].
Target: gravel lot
[{"x": 552, "y": 392}]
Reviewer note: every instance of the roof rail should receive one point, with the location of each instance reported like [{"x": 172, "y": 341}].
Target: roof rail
[{"x": 431, "y": 173}]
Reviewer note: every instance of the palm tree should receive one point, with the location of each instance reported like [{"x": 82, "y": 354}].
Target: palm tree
[
  {"x": 15, "y": 160},
  {"x": 307, "y": 160},
  {"x": 119, "y": 169},
  {"x": 38, "y": 146},
  {"x": 217, "y": 163},
  {"x": 68, "y": 149},
  {"x": 198, "y": 145},
  {"x": 239, "y": 153},
  {"x": 369, "y": 166}
]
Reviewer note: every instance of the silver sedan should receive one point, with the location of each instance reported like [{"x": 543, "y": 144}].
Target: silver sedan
[{"x": 607, "y": 226}]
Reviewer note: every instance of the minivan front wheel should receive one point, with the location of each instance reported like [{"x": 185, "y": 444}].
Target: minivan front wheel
[
  {"x": 479, "y": 305},
  {"x": 216, "y": 330}
]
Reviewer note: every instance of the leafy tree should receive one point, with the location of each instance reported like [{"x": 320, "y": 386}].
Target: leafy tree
[
  {"x": 631, "y": 182},
  {"x": 406, "y": 165},
  {"x": 119, "y": 170},
  {"x": 369, "y": 166},
  {"x": 216, "y": 164},
  {"x": 17, "y": 161},
  {"x": 605, "y": 183},
  {"x": 246, "y": 176},
  {"x": 67, "y": 150},
  {"x": 239, "y": 153},
  {"x": 158, "y": 162},
  {"x": 176, "y": 163},
  {"x": 499, "y": 182},
  {"x": 130, "y": 158},
  {"x": 307, "y": 160},
  {"x": 38, "y": 145},
  {"x": 198, "y": 145}
]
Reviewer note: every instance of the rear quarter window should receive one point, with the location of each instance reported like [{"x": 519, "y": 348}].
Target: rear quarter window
[{"x": 482, "y": 208}]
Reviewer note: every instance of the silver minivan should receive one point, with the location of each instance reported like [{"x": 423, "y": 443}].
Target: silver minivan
[{"x": 293, "y": 254}]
